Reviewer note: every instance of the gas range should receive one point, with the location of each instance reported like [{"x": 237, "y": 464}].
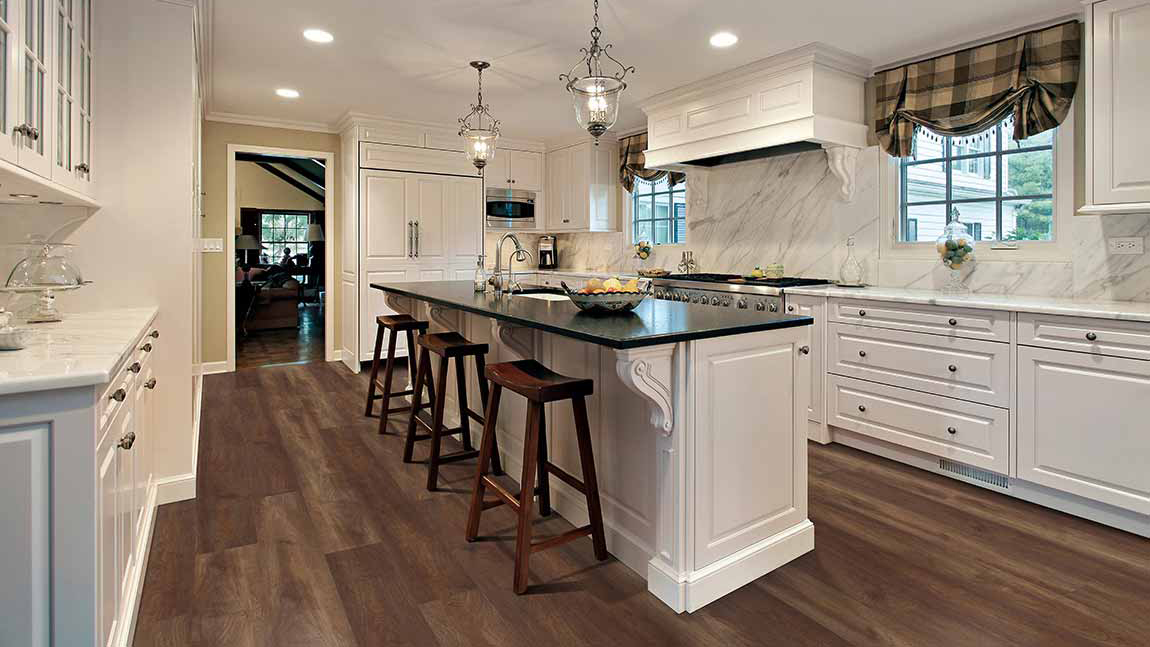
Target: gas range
[{"x": 729, "y": 290}]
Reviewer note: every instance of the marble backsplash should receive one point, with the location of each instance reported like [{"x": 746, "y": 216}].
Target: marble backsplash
[{"x": 788, "y": 210}]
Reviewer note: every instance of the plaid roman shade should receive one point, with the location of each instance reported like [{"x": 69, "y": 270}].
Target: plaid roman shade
[
  {"x": 1033, "y": 75},
  {"x": 633, "y": 164}
]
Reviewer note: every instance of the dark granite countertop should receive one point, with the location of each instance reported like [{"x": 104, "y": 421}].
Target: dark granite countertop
[{"x": 653, "y": 322}]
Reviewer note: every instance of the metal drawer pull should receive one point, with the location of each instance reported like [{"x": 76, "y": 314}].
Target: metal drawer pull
[
  {"x": 952, "y": 368},
  {"x": 155, "y": 334},
  {"x": 135, "y": 367},
  {"x": 953, "y": 322},
  {"x": 951, "y": 430},
  {"x": 151, "y": 384},
  {"x": 805, "y": 350},
  {"x": 862, "y": 313},
  {"x": 127, "y": 440},
  {"x": 119, "y": 395},
  {"x": 862, "y": 353},
  {"x": 862, "y": 408},
  {"x": 1091, "y": 336},
  {"x": 147, "y": 348}
]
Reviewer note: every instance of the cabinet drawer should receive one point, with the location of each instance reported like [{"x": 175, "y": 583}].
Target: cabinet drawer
[
  {"x": 954, "y": 322},
  {"x": 969, "y": 433},
  {"x": 1099, "y": 336},
  {"x": 959, "y": 368},
  {"x": 1082, "y": 425}
]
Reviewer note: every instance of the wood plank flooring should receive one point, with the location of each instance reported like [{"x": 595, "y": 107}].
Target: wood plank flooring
[
  {"x": 283, "y": 345},
  {"x": 309, "y": 530}
]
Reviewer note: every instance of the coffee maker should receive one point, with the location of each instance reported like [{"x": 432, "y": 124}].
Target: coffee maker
[{"x": 548, "y": 259}]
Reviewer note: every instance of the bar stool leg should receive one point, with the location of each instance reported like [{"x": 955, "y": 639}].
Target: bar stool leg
[
  {"x": 481, "y": 371},
  {"x": 461, "y": 396},
  {"x": 437, "y": 423},
  {"x": 416, "y": 404},
  {"x": 412, "y": 349},
  {"x": 590, "y": 482},
  {"x": 526, "y": 492},
  {"x": 487, "y": 451},
  {"x": 374, "y": 370},
  {"x": 544, "y": 487},
  {"x": 387, "y": 373}
]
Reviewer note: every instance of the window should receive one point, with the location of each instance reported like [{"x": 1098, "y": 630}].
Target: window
[
  {"x": 279, "y": 230},
  {"x": 1002, "y": 190},
  {"x": 659, "y": 212}
]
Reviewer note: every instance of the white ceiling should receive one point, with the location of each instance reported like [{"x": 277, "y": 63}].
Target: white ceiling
[{"x": 408, "y": 60}]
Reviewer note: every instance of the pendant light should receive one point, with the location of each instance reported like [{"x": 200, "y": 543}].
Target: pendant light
[
  {"x": 480, "y": 140},
  {"x": 596, "y": 95}
]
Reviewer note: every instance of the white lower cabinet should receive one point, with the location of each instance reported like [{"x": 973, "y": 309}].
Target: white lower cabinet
[{"x": 1083, "y": 425}]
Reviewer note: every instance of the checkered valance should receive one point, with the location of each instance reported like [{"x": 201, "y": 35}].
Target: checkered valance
[
  {"x": 633, "y": 164},
  {"x": 1033, "y": 76}
]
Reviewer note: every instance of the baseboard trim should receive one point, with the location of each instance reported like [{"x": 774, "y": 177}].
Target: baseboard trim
[
  {"x": 180, "y": 487},
  {"x": 214, "y": 368},
  {"x": 128, "y": 616}
]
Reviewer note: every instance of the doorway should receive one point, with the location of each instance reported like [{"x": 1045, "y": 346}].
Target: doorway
[{"x": 280, "y": 214}]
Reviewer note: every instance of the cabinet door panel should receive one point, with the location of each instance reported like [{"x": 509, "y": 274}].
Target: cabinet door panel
[
  {"x": 376, "y": 305},
  {"x": 816, "y": 308},
  {"x": 385, "y": 201},
  {"x": 1082, "y": 425},
  {"x": 125, "y": 499},
  {"x": 526, "y": 170},
  {"x": 36, "y": 87},
  {"x": 578, "y": 215},
  {"x": 1120, "y": 94},
  {"x": 25, "y": 505},
  {"x": 431, "y": 213},
  {"x": 559, "y": 190},
  {"x": 64, "y": 97},
  {"x": 9, "y": 79},
  {"x": 466, "y": 230},
  {"x": 106, "y": 547},
  {"x": 497, "y": 173}
]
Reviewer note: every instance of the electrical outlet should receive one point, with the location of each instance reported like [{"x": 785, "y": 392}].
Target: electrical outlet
[
  {"x": 212, "y": 244},
  {"x": 1126, "y": 245}
]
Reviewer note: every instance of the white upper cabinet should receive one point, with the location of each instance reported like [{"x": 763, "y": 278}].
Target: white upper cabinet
[
  {"x": 1117, "y": 135},
  {"x": 9, "y": 80},
  {"x": 33, "y": 130},
  {"x": 581, "y": 187},
  {"x": 512, "y": 169}
]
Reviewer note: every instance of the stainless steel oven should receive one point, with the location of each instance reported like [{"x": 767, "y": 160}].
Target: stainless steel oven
[{"x": 510, "y": 209}]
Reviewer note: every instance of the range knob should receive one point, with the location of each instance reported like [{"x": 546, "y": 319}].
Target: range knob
[
  {"x": 774, "y": 307},
  {"x": 726, "y": 302},
  {"x": 694, "y": 298},
  {"x": 742, "y": 303},
  {"x": 760, "y": 306},
  {"x": 714, "y": 301},
  {"x": 659, "y": 294}
]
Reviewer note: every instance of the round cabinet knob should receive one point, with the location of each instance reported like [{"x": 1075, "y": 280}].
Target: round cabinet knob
[
  {"x": 127, "y": 440},
  {"x": 862, "y": 313},
  {"x": 155, "y": 334},
  {"x": 951, "y": 430},
  {"x": 147, "y": 348},
  {"x": 953, "y": 322},
  {"x": 151, "y": 384},
  {"x": 119, "y": 395},
  {"x": 790, "y": 308},
  {"x": 805, "y": 350},
  {"x": 1091, "y": 336},
  {"x": 135, "y": 367},
  {"x": 952, "y": 368},
  {"x": 862, "y": 353},
  {"x": 862, "y": 408},
  {"x": 760, "y": 307}
]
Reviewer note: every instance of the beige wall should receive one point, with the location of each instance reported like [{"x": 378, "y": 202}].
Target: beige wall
[
  {"x": 218, "y": 267},
  {"x": 258, "y": 189}
]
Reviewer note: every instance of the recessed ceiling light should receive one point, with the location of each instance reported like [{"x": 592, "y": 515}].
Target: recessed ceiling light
[
  {"x": 724, "y": 39},
  {"x": 318, "y": 35},
  {"x": 288, "y": 93},
  {"x": 24, "y": 196}
]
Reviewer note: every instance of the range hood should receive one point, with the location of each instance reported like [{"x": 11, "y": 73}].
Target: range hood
[{"x": 809, "y": 98}]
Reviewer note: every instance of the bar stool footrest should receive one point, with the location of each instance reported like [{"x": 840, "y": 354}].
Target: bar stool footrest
[{"x": 559, "y": 540}]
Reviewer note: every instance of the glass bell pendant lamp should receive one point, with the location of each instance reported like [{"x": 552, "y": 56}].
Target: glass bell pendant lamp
[
  {"x": 480, "y": 139},
  {"x": 596, "y": 94}
]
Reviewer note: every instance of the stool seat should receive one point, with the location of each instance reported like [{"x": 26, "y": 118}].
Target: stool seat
[
  {"x": 401, "y": 322},
  {"x": 451, "y": 344},
  {"x": 538, "y": 383}
]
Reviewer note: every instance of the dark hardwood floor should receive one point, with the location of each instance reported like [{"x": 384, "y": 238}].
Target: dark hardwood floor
[
  {"x": 283, "y": 346},
  {"x": 309, "y": 530}
]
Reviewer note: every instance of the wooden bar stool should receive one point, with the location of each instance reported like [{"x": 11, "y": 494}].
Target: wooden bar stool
[
  {"x": 446, "y": 345},
  {"x": 539, "y": 385},
  {"x": 398, "y": 323}
]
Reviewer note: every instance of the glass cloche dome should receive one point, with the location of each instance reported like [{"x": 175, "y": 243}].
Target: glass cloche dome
[{"x": 44, "y": 268}]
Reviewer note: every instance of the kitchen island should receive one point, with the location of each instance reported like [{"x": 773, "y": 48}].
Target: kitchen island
[{"x": 698, "y": 425}]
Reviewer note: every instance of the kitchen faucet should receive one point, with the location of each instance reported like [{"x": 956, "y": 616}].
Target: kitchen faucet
[{"x": 520, "y": 254}]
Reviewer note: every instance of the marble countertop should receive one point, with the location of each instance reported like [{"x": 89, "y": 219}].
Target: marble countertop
[
  {"x": 1121, "y": 310},
  {"x": 654, "y": 322},
  {"x": 82, "y": 350}
]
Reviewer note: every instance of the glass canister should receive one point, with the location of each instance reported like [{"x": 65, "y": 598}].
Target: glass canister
[
  {"x": 956, "y": 249},
  {"x": 851, "y": 272}
]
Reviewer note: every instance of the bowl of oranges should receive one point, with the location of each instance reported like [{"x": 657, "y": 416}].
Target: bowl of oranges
[{"x": 612, "y": 295}]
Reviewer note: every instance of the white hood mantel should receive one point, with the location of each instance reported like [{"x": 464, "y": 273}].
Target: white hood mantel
[{"x": 803, "y": 99}]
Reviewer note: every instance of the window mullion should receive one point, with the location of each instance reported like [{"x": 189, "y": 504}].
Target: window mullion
[{"x": 998, "y": 185}]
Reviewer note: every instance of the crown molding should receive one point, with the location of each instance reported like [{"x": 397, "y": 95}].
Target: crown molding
[
  {"x": 351, "y": 119},
  {"x": 270, "y": 122}
]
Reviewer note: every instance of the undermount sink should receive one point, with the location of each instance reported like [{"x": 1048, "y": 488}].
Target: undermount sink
[{"x": 542, "y": 296}]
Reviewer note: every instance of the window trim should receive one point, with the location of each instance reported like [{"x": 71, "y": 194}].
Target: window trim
[
  {"x": 1059, "y": 249},
  {"x": 628, "y": 198}
]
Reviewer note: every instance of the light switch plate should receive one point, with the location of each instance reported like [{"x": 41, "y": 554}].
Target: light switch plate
[
  {"x": 212, "y": 244},
  {"x": 1126, "y": 245}
]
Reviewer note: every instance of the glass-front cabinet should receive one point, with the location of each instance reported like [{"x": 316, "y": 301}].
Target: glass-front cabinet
[{"x": 33, "y": 133}]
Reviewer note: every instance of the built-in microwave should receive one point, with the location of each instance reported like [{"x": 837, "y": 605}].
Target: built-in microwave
[{"x": 510, "y": 209}]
